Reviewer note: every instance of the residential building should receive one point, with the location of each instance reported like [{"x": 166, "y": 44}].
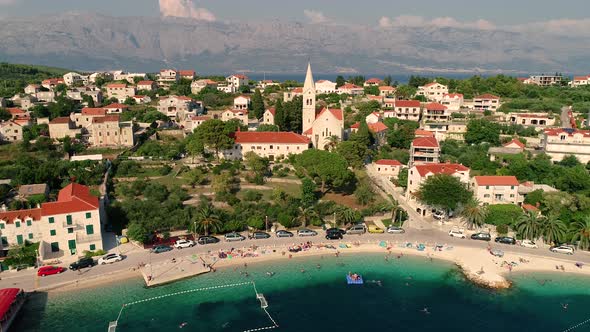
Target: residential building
[
  {"x": 379, "y": 99},
  {"x": 27, "y": 190},
  {"x": 120, "y": 91},
  {"x": 562, "y": 142},
  {"x": 350, "y": 89},
  {"x": 433, "y": 91},
  {"x": 419, "y": 173},
  {"x": 423, "y": 133},
  {"x": 32, "y": 89},
  {"x": 373, "y": 82},
  {"x": 242, "y": 102},
  {"x": 453, "y": 101},
  {"x": 237, "y": 81},
  {"x": 436, "y": 112},
  {"x": 226, "y": 88},
  {"x": 539, "y": 120},
  {"x": 107, "y": 131},
  {"x": 269, "y": 116},
  {"x": 167, "y": 77},
  {"x": 139, "y": 99},
  {"x": 10, "y": 131},
  {"x": 544, "y": 80},
  {"x": 77, "y": 94},
  {"x": 187, "y": 74},
  {"x": 446, "y": 130},
  {"x": 424, "y": 150},
  {"x": 515, "y": 144},
  {"x": 325, "y": 87},
  {"x": 25, "y": 102},
  {"x": 241, "y": 115},
  {"x": 373, "y": 118},
  {"x": 116, "y": 108},
  {"x": 46, "y": 96},
  {"x": 579, "y": 81},
  {"x": 486, "y": 102},
  {"x": 72, "y": 78},
  {"x": 103, "y": 75},
  {"x": 378, "y": 129},
  {"x": 193, "y": 121},
  {"x": 388, "y": 167},
  {"x": 495, "y": 189},
  {"x": 20, "y": 116},
  {"x": 272, "y": 145},
  {"x": 179, "y": 108},
  {"x": 147, "y": 86},
  {"x": 51, "y": 83},
  {"x": 290, "y": 94},
  {"x": 387, "y": 91},
  {"x": 405, "y": 110},
  {"x": 511, "y": 148},
  {"x": 389, "y": 104},
  {"x": 84, "y": 118},
  {"x": 66, "y": 227},
  {"x": 197, "y": 86},
  {"x": 266, "y": 83},
  {"x": 62, "y": 127}
]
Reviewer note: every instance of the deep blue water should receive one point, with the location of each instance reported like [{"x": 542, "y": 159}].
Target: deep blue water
[{"x": 320, "y": 300}]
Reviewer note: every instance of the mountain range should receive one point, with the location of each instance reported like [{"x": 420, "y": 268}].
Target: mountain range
[{"x": 88, "y": 41}]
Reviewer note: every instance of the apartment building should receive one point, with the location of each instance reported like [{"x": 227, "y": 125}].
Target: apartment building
[
  {"x": 495, "y": 189},
  {"x": 424, "y": 150},
  {"x": 272, "y": 145},
  {"x": 562, "y": 142},
  {"x": 486, "y": 102},
  {"x": 453, "y": 101},
  {"x": 433, "y": 91},
  {"x": 405, "y": 110},
  {"x": 436, "y": 112}
]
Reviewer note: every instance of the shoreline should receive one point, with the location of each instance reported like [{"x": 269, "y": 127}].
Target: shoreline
[{"x": 478, "y": 266}]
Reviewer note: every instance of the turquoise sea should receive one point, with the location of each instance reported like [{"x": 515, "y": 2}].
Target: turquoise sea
[{"x": 311, "y": 295}]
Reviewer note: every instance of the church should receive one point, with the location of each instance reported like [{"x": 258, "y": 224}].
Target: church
[{"x": 320, "y": 125}]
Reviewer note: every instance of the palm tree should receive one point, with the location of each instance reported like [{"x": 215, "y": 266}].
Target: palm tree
[
  {"x": 346, "y": 215},
  {"x": 529, "y": 225},
  {"x": 553, "y": 229},
  {"x": 332, "y": 142},
  {"x": 207, "y": 220},
  {"x": 581, "y": 232},
  {"x": 306, "y": 215},
  {"x": 474, "y": 213}
]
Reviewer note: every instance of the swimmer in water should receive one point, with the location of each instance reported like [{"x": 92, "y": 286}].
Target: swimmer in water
[
  {"x": 183, "y": 324},
  {"x": 270, "y": 274},
  {"x": 318, "y": 266},
  {"x": 302, "y": 270},
  {"x": 425, "y": 310},
  {"x": 564, "y": 306}
]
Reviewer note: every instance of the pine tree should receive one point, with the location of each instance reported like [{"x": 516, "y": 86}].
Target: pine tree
[
  {"x": 363, "y": 136},
  {"x": 280, "y": 115},
  {"x": 257, "y": 104},
  {"x": 340, "y": 81}
]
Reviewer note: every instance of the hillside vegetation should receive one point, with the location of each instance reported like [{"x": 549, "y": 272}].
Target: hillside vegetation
[{"x": 14, "y": 77}]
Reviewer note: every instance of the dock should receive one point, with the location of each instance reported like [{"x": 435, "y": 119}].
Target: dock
[
  {"x": 172, "y": 270},
  {"x": 262, "y": 299}
]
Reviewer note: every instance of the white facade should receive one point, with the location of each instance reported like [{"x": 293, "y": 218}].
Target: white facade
[
  {"x": 10, "y": 131},
  {"x": 419, "y": 173},
  {"x": 241, "y": 115},
  {"x": 75, "y": 78},
  {"x": 237, "y": 81},
  {"x": 269, "y": 117},
  {"x": 560, "y": 143},
  {"x": 179, "y": 107},
  {"x": 272, "y": 145},
  {"x": 325, "y": 87},
  {"x": 495, "y": 189},
  {"x": 433, "y": 91},
  {"x": 242, "y": 103},
  {"x": 120, "y": 91},
  {"x": 486, "y": 102},
  {"x": 453, "y": 101},
  {"x": 579, "y": 81}
]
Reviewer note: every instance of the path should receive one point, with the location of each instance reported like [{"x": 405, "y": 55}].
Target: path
[{"x": 565, "y": 117}]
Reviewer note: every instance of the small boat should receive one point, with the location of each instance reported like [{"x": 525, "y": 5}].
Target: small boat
[{"x": 354, "y": 279}]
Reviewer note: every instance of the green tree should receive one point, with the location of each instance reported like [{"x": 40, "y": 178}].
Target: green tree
[
  {"x": 479, "y": 131},
  {"x": 580, "y": 232},
  {"x": 329, "y": 169},
  {"x": 308, "y": 197},
  {"x": 257, "y": 104},
  {"x": 363, "y": 136},
  {"x": 444, "y": 191},
  {"x": 214, "y": 136},
  {"x": 569, "y": 161},
  {"x": 340, "y": 81},
  {"x": 529, "y": 225},
  {"x": 306, "y": 215},
  {"x": 354, "y": 152},
  {"x": 222, "y": 183},
  {"x": 267, "y": 127},
  {"x": 196, "y": 176},
  {"x": 194, "y": 146},
  {"x": 387, "y": 80},
  {"x": 474, "y": 213},
  {"x": 371, "y": 90},
  {"x": 364, "y": 194},
  {"x": 534, "y": 197},
  {"x": 280, "y": 116},
  {"x": 553, "y": 229},
  {"x": 258, "y": 167},
  {"x": 402, "y": 178},
  {"x": 405, "y": 91},
  {"x": 207, "y": 220},
  {"x": 346, "y": 215}
]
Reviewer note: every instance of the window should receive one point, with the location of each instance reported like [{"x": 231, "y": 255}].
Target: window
[
  {"x": 4, "y": 241},
  {"x": 30, "y": 236},
  {"x": 92, "y": 247},
  {"x": 19, "y": 239},
  {"x": 89, "y": 229},
  {"x": 88, "y": 215},
  {"x": 486, "y": 195},
  {"x": 17, "y": 224},
  {"x": 54, "y": 246},
  {"x": 29, "y": 222},
  {"x": 69, "y": 219},
  {"x": 52, "y": 232},
  {"x": 511, "y": 187},
  {"x": 2, "y": 226},
  {"x": 51, "y": 220},
  {"x": 72, "y": 244},
  {"x": 487, "y": 187},
  {"x": 70, "y": 230}
]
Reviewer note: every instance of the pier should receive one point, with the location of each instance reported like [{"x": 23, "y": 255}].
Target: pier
[{"x": 172, "y": 270}]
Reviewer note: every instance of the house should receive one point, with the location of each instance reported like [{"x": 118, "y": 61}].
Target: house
[
  {"x": 544, "y": 80},
  {"x": 405, "y": 110},
  {"x": 51, "y": 83},
  {"x": 62, "y": 127},
  {"x": 389, "y": 104},
  {"x": 495, "y": 189},
  {"x": 290, "y": 94},
  {"x": 242, "y": 102},
  {"x": 66, "y": 227},
  {"x": 325, "y": 87},
  {"x": 350, "y": 89},
  {"x": 27, "y": 190},
  {"x": 269, "y": 116},
  {"x": 561, "y": 142},
  {"x": 579, "y": 81},
  {"x": 116, "y": 108},
  {"x": 446, "y": 130},
  {"x": 539, "y": 120},
  {"x": 197, "y": 86},
  {"x": 25, "y": 102},
  {"x": 20, "y": 116},
  {"x": 107, "y": 131},
  {"x": 226, "y": 88},
  {"x": 46, "y": 96},
  {"x": 72, "y": 78},
  {"x": 10, "y": 131},
  {"x": 372, "y": 82},
  {"x": 436, "y": 112},
  {"x": 187, "y": 74},
  {"x": 266, "y": 83},
  {"x": 272, "y": 145},
  {"x": 147, "y": 86},
  {"x": 237, "y": 81},
  {"x": 167, "y": 77},
  {"x": 379, "y": 99},
  {"x": 373, "y": 117},
  {"x": 378, "y": 129},
  {"x": 84, "y": 118},
  {"x": 32, "y": 89},
  {"x": 388, "y": 167},
  {"x": 178, "y": 108},
  {"x": 486, "y": 102},
  {"x": 419, "y": 173},
  {"x": 433, "y": 91},
  {"x": 511, "y": 148},
  {"x": 424, "y": 150},
  {"x": 103, "y": 75},
  {"x": 241, "y": 115},
  {"x": 423, "y": 133},
  {"x": 128, "y": 77},
  {"x": 139, "y": 99},
  {"x": 193, "y": 121},
  {"x": 387, "y": 91},
  {"x": 120, "y": 91},
  {"x": 78, "y": 94},
  {"x": 515, "y": 144},
  {"x": 452, "y": 101}
]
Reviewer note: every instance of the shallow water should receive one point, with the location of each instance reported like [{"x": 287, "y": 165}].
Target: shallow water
[{"x": 318, "y": 299}]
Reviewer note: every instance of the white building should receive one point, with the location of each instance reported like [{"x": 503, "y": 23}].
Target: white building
[
  {"x": 292, "y": 93},
  {"x": 424, "y": 150},
  {"x": 453, "y": 101},
  {"x": 325, "y": 87},
  {"x": 433, "y": 91},
  {"x": 237, "y": 81},
  {"x": 242, "y": 102},
  {"x": 269, "y": 116},
  {"x": 192, "y": 122},
  {"x": 495, "y": 189},
  {"x": 436, "y": 112},
  {"x": 241, "y": 115},
  {"x": 272, "y": 145},
  {"x": 388, "y": 167},
  {"x": 197, "y": 86},
  {"x": 419, "y": 173},
  {"x": 75, "y": 78},
  {"x": 10, "y": 131},
  {"x": 539, "y": 120},
  {"x": 544, "y": 80},
  {"x": 167, "y": 77},
  {"x": 351, "y": 89},
  {"x": 178, "y": 108},
  {"x": 147, "y": 86},
  {"x": 579, "y": 81},
  {"x": 387, "y": 91},
  {"x": 120, "y": 91},
  {"x": 405, "y": 110},
  {"x": 562, "y": 142},
  {"x": 486, "y": 102}
]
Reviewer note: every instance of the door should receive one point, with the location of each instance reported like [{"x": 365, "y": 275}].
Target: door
[
  {"x": 72, "y": 246},
  {"x": 19, "y": 240}
]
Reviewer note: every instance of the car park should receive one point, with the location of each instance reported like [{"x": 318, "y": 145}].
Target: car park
[
  {"x": 207, "y": 240},
  {"x": 505, "y": 240},
  {"x": 111, "y": 258},
  {"x": 259, "y": 235},
  {"x": 230, "y": 237},
  {"x": 82, "y": 263},
  {"x": 283, "y": 233},
  {"x": 49, "y": 270},
  {"x": 183, "y": 243},
  {"x": 528, "y": 244},
  {"x": 374, "y": 229},
  {"x": 161, "y": 249},
  {"x": 562, "y": 249},
  {"x": 306, "y": 232},
  {"x": 481, "y": 236},
  {"x": 395, "y": 230}
]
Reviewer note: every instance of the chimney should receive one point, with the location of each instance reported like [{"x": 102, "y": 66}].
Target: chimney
[{"x": 3, "y": 207}]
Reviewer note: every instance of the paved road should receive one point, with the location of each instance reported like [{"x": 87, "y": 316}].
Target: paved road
[
  {"x": 565, "y": 118},
  {"x": 29, "y": 281}
]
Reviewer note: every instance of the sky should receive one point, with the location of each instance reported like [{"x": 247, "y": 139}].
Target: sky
[{"x": 371, "y": 12}]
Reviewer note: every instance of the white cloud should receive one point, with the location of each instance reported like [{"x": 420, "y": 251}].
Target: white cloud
[
  {"x": 315, "y": 16},
  {"x": 565, "y": 27},
  {"x": 419, "y": 21},
  {"x": 183, "y": 8}
]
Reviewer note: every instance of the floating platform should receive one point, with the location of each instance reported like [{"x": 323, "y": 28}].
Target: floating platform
[
  {"x": 352, "y": 281},
  {"x": 262, "y": 299},
  {"x": 169, "y": 271}
]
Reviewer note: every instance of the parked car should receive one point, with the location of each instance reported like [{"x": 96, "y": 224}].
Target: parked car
[
  {"x": 82, "y": 263},
  {"x": 376, "y": 230},
  {"x": 336, "y": 230},
  {"x": 528, "y": 244},
  {"x": 112, "y": 258},
  {"x": 562, "y": 250},
  {"x": 161, "y": 249},
  {"x": 229, "y": 237},
  {"x": 457, "y": 233},
  {"x": 439, "y": 214},
  {"x": 259, "y": 235},
  {"x": 306, "y": 232},
  {"x": 497, "y": 252},
  {"x": 49, "y": 270},
  {"x": 395, "y": 230},
  {"x": 481, "y": 236},
  {"x": 283, "y": 233},
  {"x": 356, "y": 229},
  {"x": 207, "y": 240},
  {"x": 505, "y": 240},
  {"x": 334, "y": 236},
  {"x": 182, "y": 243}
]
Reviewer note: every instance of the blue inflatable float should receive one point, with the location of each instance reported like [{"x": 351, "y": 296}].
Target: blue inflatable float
[{"x": 354, "y": 279}]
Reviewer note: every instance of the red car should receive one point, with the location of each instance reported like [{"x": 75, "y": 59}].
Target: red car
[{"x": 48, "y": 270}]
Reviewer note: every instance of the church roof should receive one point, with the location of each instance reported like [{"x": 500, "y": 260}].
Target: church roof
[
  {"x": 337, "y": 113},
  {"x": 309, "y": 83}
]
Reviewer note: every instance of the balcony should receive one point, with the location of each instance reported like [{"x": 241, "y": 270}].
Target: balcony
[{"x": 88, "y": 238}]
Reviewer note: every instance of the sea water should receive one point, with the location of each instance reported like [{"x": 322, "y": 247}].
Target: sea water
[{"x": 311, "y": 294}]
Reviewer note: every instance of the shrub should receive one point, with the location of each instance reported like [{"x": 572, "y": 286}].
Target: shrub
[
  {"x": 252, "y": 195},
  {"x": 502, "y": 229},
  {"x": 165, "y": 170},
  {"x": 256, "y": 222},
  {"x": 285, "y": 220},
  {"x": 89, "y": 254},
  {"x": 364, "y": 194},
  {"x": 503, "y": 214}
]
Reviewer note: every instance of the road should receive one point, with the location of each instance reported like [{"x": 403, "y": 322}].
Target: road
[
  {"x": 565, "y": 118},
  {"x": 28, "y": 280}
]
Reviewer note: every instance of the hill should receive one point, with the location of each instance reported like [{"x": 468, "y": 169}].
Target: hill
[{"x": 14, "y": 77}]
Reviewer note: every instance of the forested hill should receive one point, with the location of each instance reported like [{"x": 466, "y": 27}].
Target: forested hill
[{"x": 13, "y": 77}]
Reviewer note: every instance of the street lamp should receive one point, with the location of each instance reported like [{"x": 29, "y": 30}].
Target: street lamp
[
  {"x": 266, "y": 223},
  {"x": 194, "y": 230}
]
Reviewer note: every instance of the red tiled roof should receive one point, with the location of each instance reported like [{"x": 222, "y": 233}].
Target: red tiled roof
[
  {"x": 53, "y": 81},
  {"x": 561, "y": 131},
  {"x": 429, "y": 142},
  {"x": 336, "y": 112},
  {"x": 441, "y": 168},
  {"x": 10, "y": 216},
  {"x": 7, "y": 297},
  {"x": 435, "y": 107},
  {"x": 73, "y": 198},
  {"x": 486, "y": 96},
  {"x": 517, "y": 142},
  {"x": 15, "y": 111},
  {"x": 373, "y": 80},
  {"x": 581, "y": 78},
  {"x": 388, "y": 162},
  {"x": 272, "y": 110},
  {"x": 308, "y": 131},
  {"x": 386, "y": 88},
  {"x": 423, "y": 133},
  {"x": 529, "y": 207},
  {"x": 62, "y": 120},
  {"x": 507, "y": 180},
  {"x": 297, "y": 90},
  {"x": 116, "y": 85},
  {"x": 145, "y": 82},
  {"x": 407, "y": 103},
  {"x": 187, "y": 73},
  {"x": 349, "y": 86},
  {"x": 200, "y": 117},
  {"x": 107, "y": 118},
  {"x": 116, "y": 105},
  {"x": 94, "y": 111},
  {"x": 430, "y": 84},
  {"x": 270, "y": 137},
  {"x": 453, "y": 95},
  {"x": 377, "y": 127},
  {"x": 240, "y": 76}
]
